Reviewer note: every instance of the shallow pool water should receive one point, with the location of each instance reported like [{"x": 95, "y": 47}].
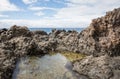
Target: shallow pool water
[{"x": 47, "y": 67}]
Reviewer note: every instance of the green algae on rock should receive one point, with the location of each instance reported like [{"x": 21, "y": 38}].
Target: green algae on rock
[{"x": 71, "y": 56}]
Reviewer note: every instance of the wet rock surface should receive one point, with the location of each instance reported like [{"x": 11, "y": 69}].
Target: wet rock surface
[{"x": 100, "y": 39}]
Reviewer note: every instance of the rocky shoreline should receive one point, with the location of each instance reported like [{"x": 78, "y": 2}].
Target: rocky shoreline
[{"x": 100, "y": 42}]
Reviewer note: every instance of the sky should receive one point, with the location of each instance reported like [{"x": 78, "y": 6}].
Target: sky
[{"x": 53, "y": 13}]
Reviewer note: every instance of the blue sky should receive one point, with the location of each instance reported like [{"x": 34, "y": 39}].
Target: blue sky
[{"x": 53, "y": 13}]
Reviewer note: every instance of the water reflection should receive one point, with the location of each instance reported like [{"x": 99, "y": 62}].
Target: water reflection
[{"x": 46, "y": 67}]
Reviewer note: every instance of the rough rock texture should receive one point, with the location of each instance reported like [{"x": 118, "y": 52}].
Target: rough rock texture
[
  {"x": 15, "y": 43},
  {"x": 66, "y": 40},
  {"x": 101, "y": 39},
  {"x": 103, "y": 67},
  {"x": 18, "y": 41},
  {"x": 102, "y": 36}
]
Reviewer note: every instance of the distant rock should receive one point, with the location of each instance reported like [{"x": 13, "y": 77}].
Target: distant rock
[
  {"x": 20, "y": 31},
  {"x": 14, "y": 31},
  {"x": 3, "y": 30},
  {"x": 39, "y": 32},
  {"x": 67, "y": 41}
]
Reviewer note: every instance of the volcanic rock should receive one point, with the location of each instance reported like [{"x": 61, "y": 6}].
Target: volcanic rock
[
  {"x": 103, "y": 67},
  {"x": 102, "y": 36},
  {"x": 101, "y": 40}
]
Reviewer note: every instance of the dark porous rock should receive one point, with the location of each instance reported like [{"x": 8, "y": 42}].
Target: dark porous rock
[
  {"x": 15, "y": 43},
  {"x": 40, "y": 32},
  {"x": 55, "y": 32},
  {"x": 12, "y": 50},
  {"x": 103, "y": 67},
  {"x": 102, "y": 36},
  {"x": 20, "y": 31},
  {"x": 66, "y": 41},
  {"x": 15, "y": 31},
  {"x": 3, "y": 30}
]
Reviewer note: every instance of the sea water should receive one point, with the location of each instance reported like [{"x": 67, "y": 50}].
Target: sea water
[{"x": 48, "y": 30}]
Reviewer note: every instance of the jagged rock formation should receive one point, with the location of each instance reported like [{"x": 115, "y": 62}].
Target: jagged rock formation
[
  {"x": 66, "y": 41},
  {"x": 18, "y": 41},
  {"x": 103, "y": 67},
  {"x": 101, "y": 39},
  {"x": 102, "y": 36},
  {"x": 14, "y": 43}
]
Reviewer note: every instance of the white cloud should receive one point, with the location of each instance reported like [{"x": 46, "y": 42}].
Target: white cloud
[
  {"x": 37, "y": 8},
  {"x": 29, "y": 1},
  {"x": 5, "y": 5},
  {"x": 82, "y": 1},
  {"x": 94, "y": 2},
  {"x": 41, "y": 8},
  {"x": 85, "y": 10},
  {"x": 40, "y": 13},
  {"x": 78, "y": 13},
  {"x": 1, "y": 15},
  {"x": 48, "y": 23},
  {"x": 46, "y": 0}
]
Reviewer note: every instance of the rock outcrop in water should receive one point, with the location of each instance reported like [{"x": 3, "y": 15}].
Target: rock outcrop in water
[{"x": 101, "y": 38}]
